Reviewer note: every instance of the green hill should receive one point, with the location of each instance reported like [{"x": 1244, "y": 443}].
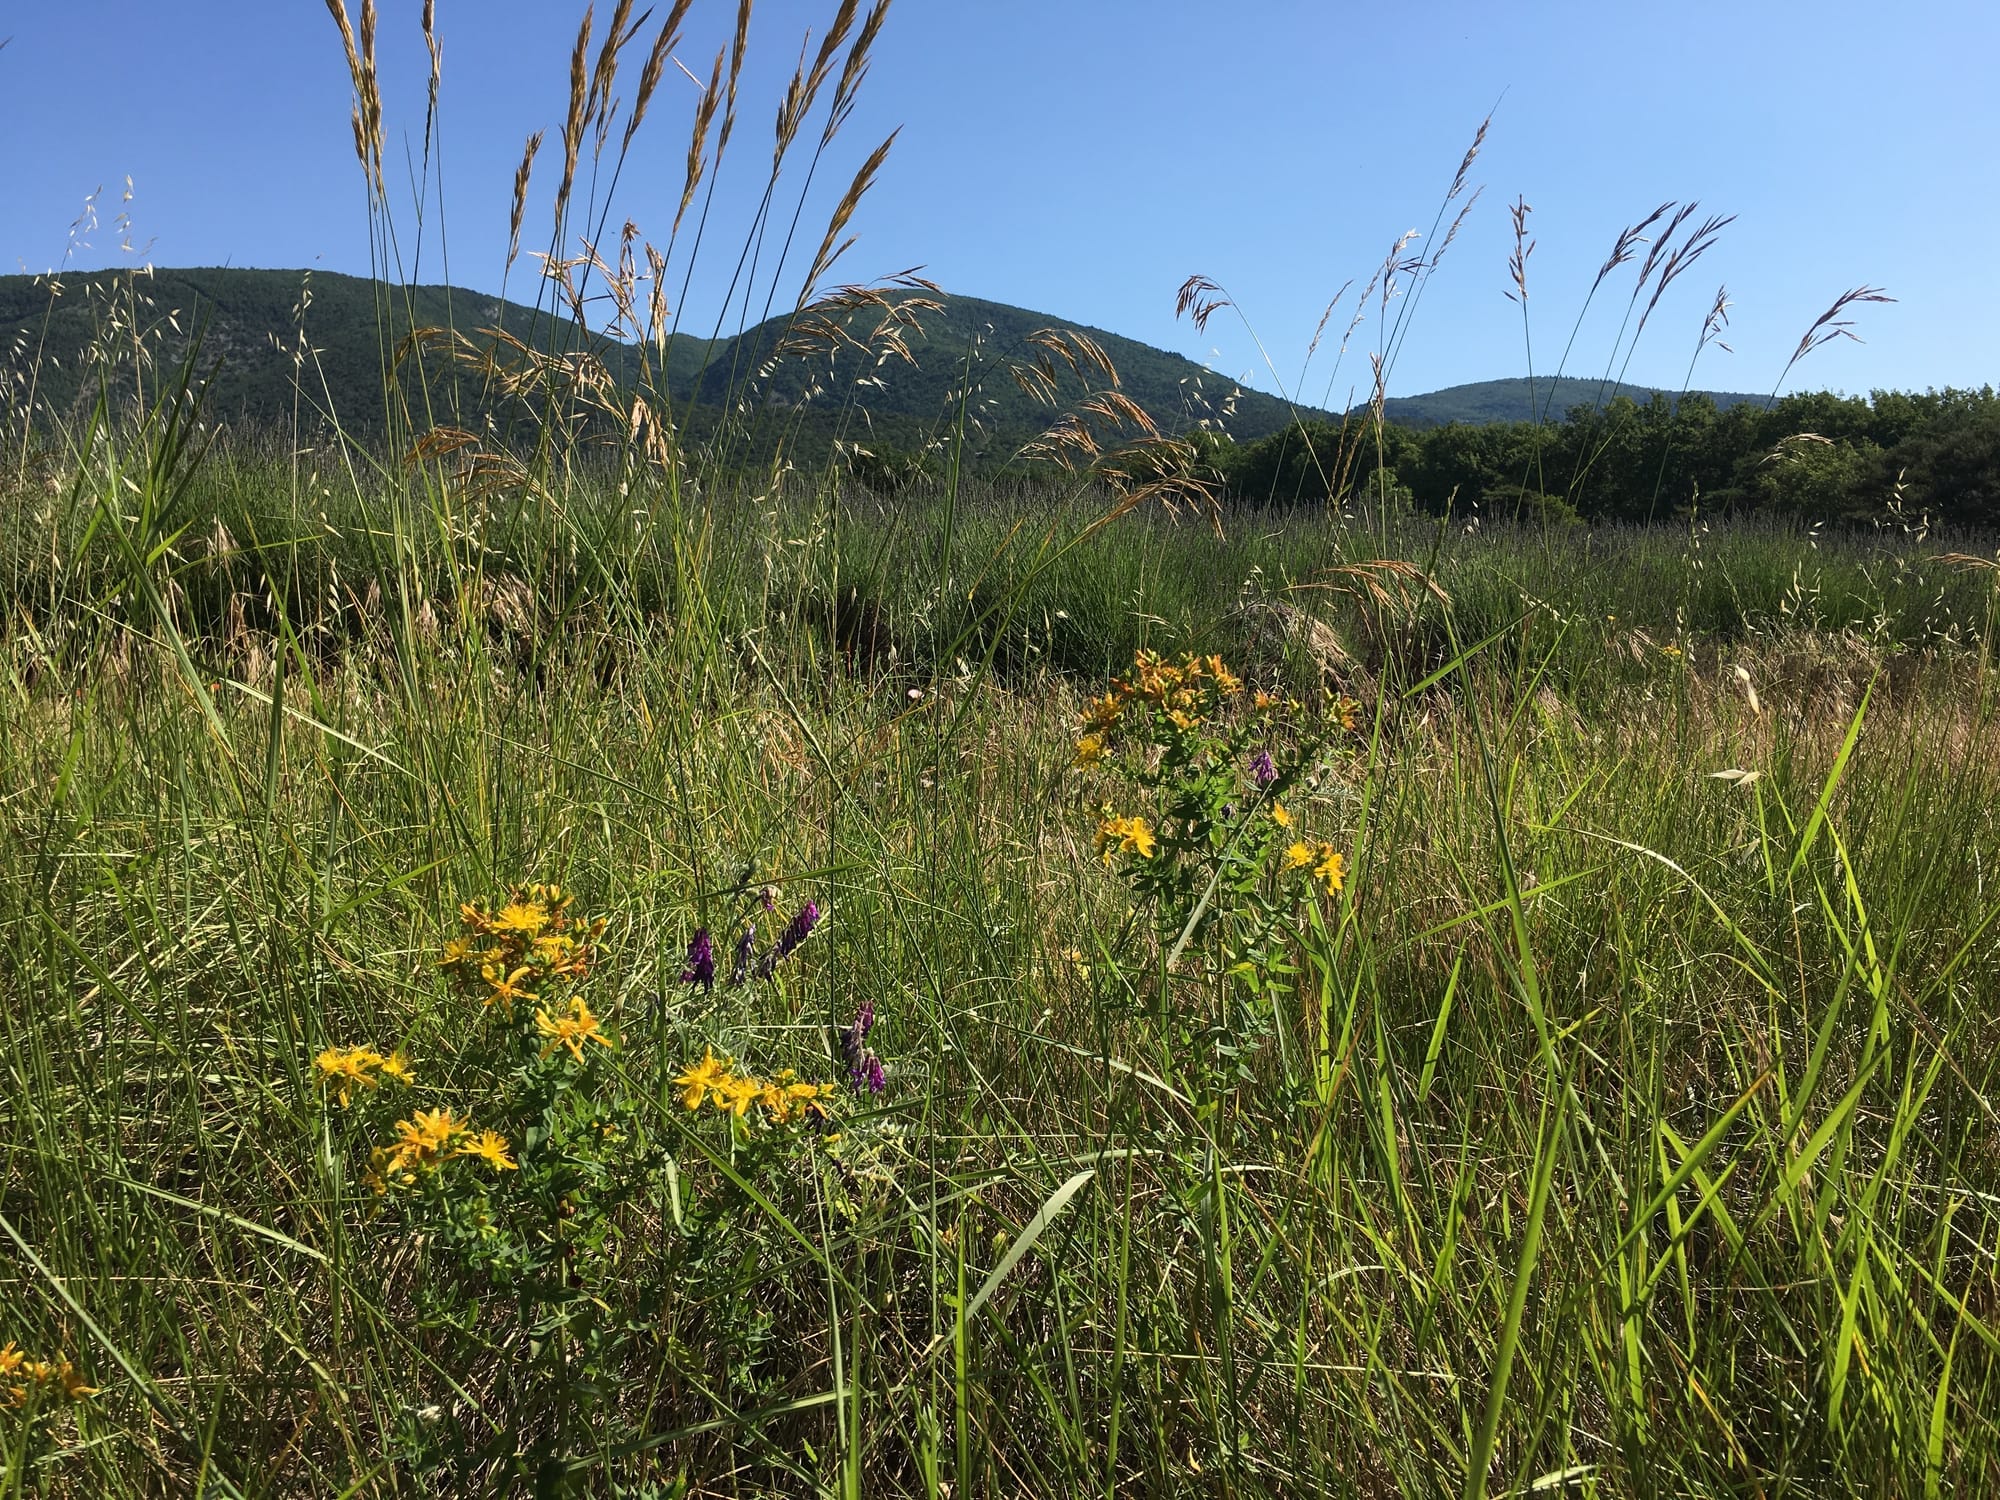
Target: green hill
[
  {"x": 1513, "y": 400},
  {"x": 251, "y": 322},
  {"x": 1178, "y": 393}
]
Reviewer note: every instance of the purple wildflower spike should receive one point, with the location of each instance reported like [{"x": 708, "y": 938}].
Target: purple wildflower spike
[
  {"x": 700, "y": 961},
  {"x": 796, "y": 932},
  {"x": 864, "y": 1068},
  {"x": 739, "y": 970},
  {"x": 1262, "y": 769},
  {"x": 856, "y": 1036}
]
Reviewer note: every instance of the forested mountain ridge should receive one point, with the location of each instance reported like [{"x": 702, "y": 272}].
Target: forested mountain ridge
[{"x": 251, "y": 321}]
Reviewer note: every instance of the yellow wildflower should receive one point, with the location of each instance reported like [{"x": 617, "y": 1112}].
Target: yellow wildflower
[
  {"x": 457, "y": 951},
  {"x": 422, "y": 1140},
  {"x": 1263, "y": 702},
  {"x": 570, "y": 1031},
  {"x": 397, "y": 1066},
  {"x": 1299, "y": 855},
  {"x": 1184, "y": 721},
  {"x": 525, "y": 917},
  {"x": 491, "y": 1147},
  {"x": 737, "y": 1094},
  {"x": 1089, "y": 750},
  {"x": 25, "y": 1372},
  {"x": 433, "y": 1128},
  {"x": 345, "y": 1069},
  {"x": 1124, "y": 836},
  {"x": 72, "y": 1383},
  {"x": 772, "y": 1097},
  {"x": 703, "y": 1079},
  {"x": 552, "y": 897},
  {"x": 1279, "y": 816},
  {"x": 1332, "y": 868},
  {"x": 781, "y": 1097},
  {"x": 1102, "y": 713},
  {"x": 505, "y": 988}
]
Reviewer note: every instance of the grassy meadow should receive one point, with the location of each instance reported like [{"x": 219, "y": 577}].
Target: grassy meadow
[
  {"x": 608, "y": 965},
  {"x": 1615, "y": 1120}
]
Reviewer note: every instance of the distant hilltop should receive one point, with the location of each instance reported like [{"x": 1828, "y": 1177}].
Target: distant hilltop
[{"x": 1517, "y": 399}]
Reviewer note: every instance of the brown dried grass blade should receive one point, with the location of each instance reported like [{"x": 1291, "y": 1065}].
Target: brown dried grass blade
[
  {"x": 697, "y": 157},
  {"x": 844, "y": 211},
  {"x": 738, "y": 47},
  {"x": 579, "y": 107},
  {"x": 521, "y": 197},
  {"x": 1200, "y": 299},
  {"x": 854, "y": 71},
  {"x": 655, "y": 69}
]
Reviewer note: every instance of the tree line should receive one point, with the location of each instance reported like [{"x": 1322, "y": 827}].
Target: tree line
[{"x": 1814, "y": 457}]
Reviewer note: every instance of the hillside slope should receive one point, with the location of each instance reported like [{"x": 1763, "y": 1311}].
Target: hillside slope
[
  {"x": 250, "y": 322},
  {"x": 1516, "y": 399}
]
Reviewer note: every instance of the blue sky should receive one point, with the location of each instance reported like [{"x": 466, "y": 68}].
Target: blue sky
[{"x": 1083, "y": 158}]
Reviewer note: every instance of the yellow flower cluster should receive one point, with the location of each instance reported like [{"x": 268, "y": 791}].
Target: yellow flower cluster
[
  {"x": 20, "y": 1376},
  {"x": 570, "y": 1031},
  {"x": 1124, "y": 836},
  {"x": 427, "y": 1140},
  {"x": 715, "y": 1081},
  {"x": 1185, "y": 691},
  {"x": 345, "y": 1069},
  {"x": 1327, "y": 863},
  {"x": 531, "y": 940}
]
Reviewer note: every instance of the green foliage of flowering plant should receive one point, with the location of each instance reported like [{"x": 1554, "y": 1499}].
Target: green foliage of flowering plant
[
  {"x": 519, "y": 1198},
  {"x": 1218, "y": 866},
  {"x": 536, "y": 1195}
]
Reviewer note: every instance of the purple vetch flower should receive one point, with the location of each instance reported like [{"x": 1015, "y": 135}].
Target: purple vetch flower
[
  {"x": 864, "y": 1068},
  {"x": 796, "y": 931},
  {"x": 856, "y": 1035},
  {"x": 1261, "y": 768},
  {"x": 700, "y": 967},
  {"x": 739, "y": 969}
]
